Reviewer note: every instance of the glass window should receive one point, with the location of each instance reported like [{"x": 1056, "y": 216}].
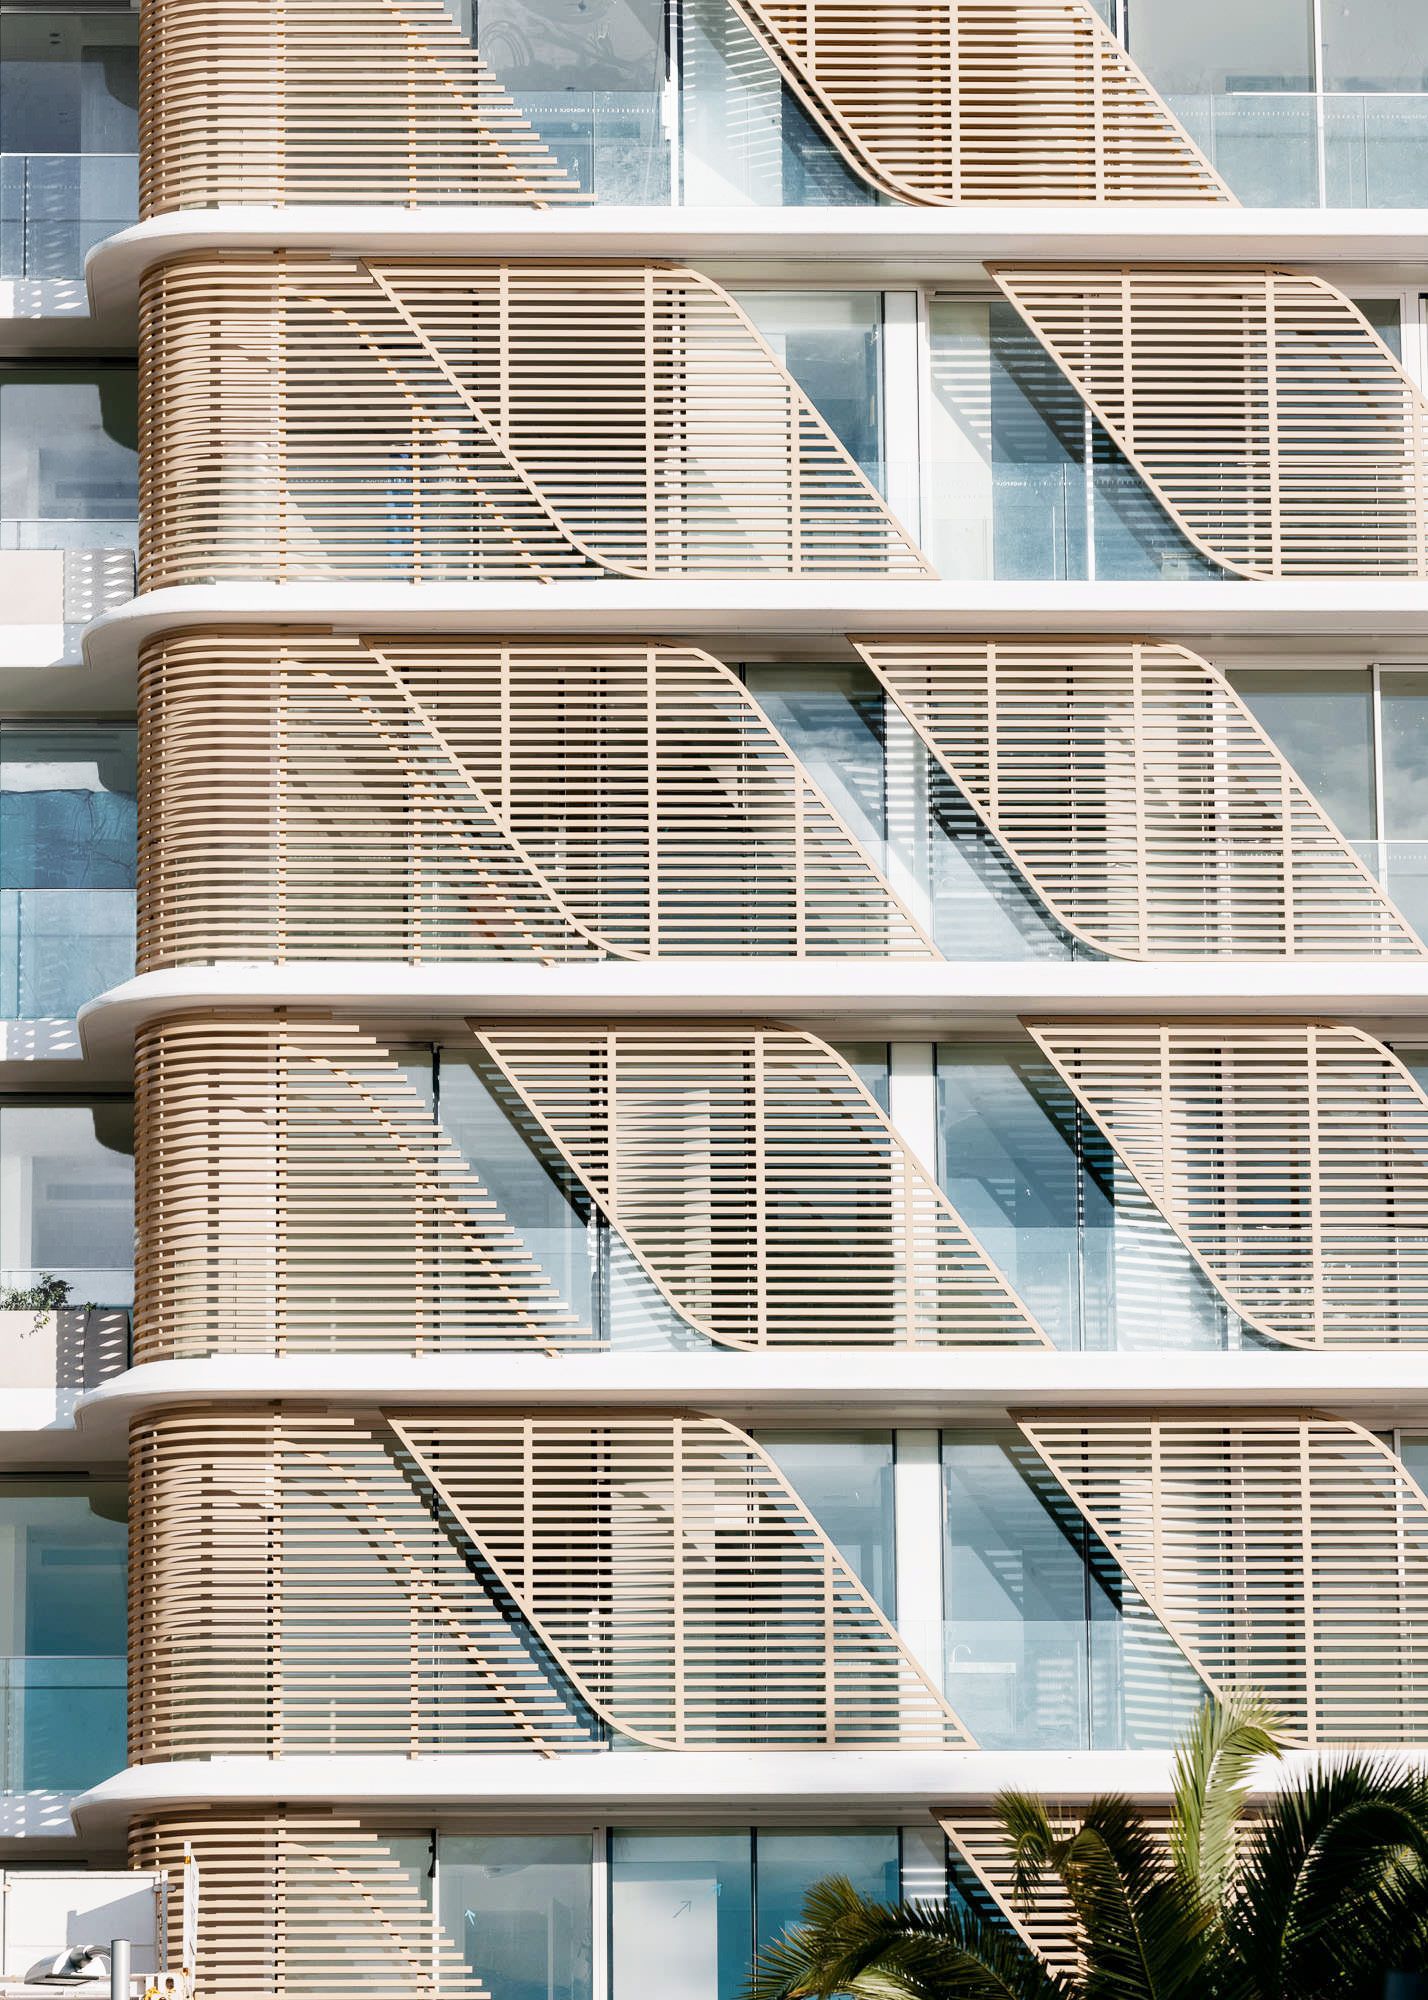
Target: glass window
[
  {"x": 518, "y": 1907},
  {"x": 68, "y": 455},
  {"x": 1023, "y": 483},
  {"x": 1224, "y": 45},
  {"x": 831, "y": 344},
  {"x": 1385, "y": 316},
  {"x": 1048, "y": 1201},
  {"x": 67, "y": 1196},
  {"x": 68, "y": 840},
  {"x": 681, "y": 1915},
  {"x": 789, "y": 1863},
  {"x": 1048, "y": 1645},
  {"x": 1373, "y": 45},
  {"x": 745, "y": 137},
  {"x": 845, "y": 1479},
  {"x": 1322, "y": 720},
  {"x": 62, "y": 1631},
  {"x": 591, "y": 79},
  {"x": 1403, "y": 719}
]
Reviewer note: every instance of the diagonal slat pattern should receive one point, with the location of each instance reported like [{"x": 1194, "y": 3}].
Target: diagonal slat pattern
[
  {"x": 1290, "y": 1156},
  {"x": 306, "y": 1904},
  {"x": 286, "y": 101},
  {"x": 316, "y": 795},
  {"x": 1286, "y": 1554},
  {"x": 1259, "y": 405},
  {"x": 680, "y": 1582},
  {"x": 293, "y": 1591},
  {"x": 297, "y": 1196},
  {"x": 428, "y": 421},
  {"x": 948, "y": 101},
  {"x": 760, "y": 1186},
  {"x": 1139, "y": 796}
]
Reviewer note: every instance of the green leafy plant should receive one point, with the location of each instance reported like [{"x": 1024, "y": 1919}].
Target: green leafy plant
[
  {"x": 48, "y": 1294},
  {"x": 1319, "y": 1893}
]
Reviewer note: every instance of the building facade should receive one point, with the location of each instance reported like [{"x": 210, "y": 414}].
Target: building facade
[{"x": 714, "y": 792}]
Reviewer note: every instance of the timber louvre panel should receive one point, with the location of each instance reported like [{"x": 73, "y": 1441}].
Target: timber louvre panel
[
  {"x": 288, "y": 101},
  {"x": 297, "y": 1197},
  {"x": 1139, "y": 796},
  {"x": 942, "y": 102},
  {"x": 490, "y": 1575},
  {"x": 423, "y": 420},
  {"x": 760, "y": 1186},
  {"x": 303, "y": 1904},
  {"x": 309, "y": 794},
  {"x": 1290, "y": 1157},
  {"x": 1258, "y": 405},
  {"x": 721, "y": 1611},
  {"x": 294, "y": 1592},
  {"x": 1285, "y": 1554}
]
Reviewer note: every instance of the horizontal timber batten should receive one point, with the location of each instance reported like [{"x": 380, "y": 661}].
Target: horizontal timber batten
[
  {"x": 309, "y": 795},
  {"x": 428, "y": 421}
]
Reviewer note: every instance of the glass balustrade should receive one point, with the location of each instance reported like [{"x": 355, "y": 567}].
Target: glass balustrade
[{"x": 69, "y": 135}]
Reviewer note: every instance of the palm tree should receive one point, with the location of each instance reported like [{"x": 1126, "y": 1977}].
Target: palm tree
[{"x": 1318, "y": 1895}]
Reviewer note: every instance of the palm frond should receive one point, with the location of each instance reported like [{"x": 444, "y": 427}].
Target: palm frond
[
  {"x": 1143, "y": 1935},
  {"x": 847, "y": 1943},
  {"x": 1213, "y": 1763}
]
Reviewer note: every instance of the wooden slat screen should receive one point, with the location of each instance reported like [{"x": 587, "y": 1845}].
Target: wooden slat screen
[
  {"x": 1259, "y": 406},
  {"x": 310, "y": 1904},
  {"x": 314, "y": 795},
  {"x": 1291, "y": 1157},
  {"x": 950, "y": 101},
  {"x": 417, "y": 1583},
  {"x": 428, "y": 421},
  {"x": 295, "y": 1195},
  {"x": 282, "y": 101},
  {"x": 1286, "y": 1554},
  {"x": 292, "y": 1592},
  {"x": 1140, "y": 797},
  {"x": 760, "y": 1185}
]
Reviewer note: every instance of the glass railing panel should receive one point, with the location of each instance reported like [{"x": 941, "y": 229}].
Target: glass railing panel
[
  {"x": 1376, "y": 150},
  {"x": 74, "y": 532},
  {"x": 64, "y": 1720},
  {"x": 54, "y": 208},
  {"x": 60, "y": 948},
  {"x": 1264, "y": 143}
]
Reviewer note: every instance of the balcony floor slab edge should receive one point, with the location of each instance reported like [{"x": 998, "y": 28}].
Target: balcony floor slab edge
[
  {"x": 797, "y": 614},
  {"x": 729, "y": 1785},
  {"x": 818, "y": 1385},
  {"x": 904, "y": 242}
]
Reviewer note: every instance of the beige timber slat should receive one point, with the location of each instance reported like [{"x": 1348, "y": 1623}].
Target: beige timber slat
[
  {"x": 428, "y": 421},
  {"x": 949, "y": 101},
  {"x": 284, "y": 101},
  {"x": 1291, "y": 1157},
  {"x": 292, "y": 1593},
  {"x": 1259, "y": 405},
  {"x": 309, "y": 794},
  {"x": 1140, "y": 798},
  {"x": 680, "y": 1581},
  {"x": 295, "y": 1195},
  {"x": 761, "y": 1187},
  {"x": 309, "y": 1905},
  {"x": 1286, "y": 1554}
]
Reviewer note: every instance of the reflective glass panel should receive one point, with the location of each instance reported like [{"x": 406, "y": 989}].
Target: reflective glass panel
[
  {"x": 68, "y": 838},
  {"x": 1046, "y": 1198},
  {"x": 62, "y": 1632},
  {"x": 518, "y": 1906},
  {"x": 68, "y": 456},
  {"x": 67, "y": 1196},
  {"x": 1403, "y": 711},
  {"x": 831, "y": 343},
  {"x": 845, "y": 1479},
  {"x": 1048, "y": 1645},
  {"x": 789, "y": 1863},
  {"x": 1322, "y": 721},
  {"x": 1375, "y": 45},
  {"x": 681, "y": 1915}
]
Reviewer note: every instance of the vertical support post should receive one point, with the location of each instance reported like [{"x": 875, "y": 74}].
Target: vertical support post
[{"x": 917, "y": 1515}]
